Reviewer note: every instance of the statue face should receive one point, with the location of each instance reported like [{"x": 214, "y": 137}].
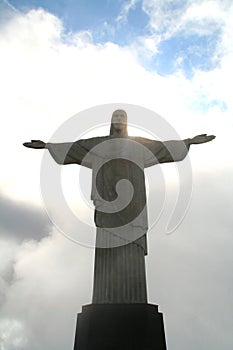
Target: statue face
[{"x": 119, "y": 119}]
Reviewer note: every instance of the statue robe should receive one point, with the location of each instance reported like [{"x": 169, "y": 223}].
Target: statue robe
[{"x": 119, "y": 275}]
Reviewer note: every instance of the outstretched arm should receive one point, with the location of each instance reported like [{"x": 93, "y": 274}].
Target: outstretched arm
[
  {"x": 203, "y": 138},
  {"x": 64, "y": 153},
  {"x": 170, "y": 151}
]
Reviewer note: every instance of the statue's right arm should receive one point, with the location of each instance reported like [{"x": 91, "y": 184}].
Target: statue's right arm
[
  {"x": 64, "y": 153},
  {"x": 60, "y": 152}
]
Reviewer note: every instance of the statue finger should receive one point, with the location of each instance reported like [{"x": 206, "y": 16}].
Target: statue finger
[{"x": 27, "y": 144}]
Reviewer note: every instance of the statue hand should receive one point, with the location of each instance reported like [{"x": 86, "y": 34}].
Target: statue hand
[
  {"x": 35, "y": 144},
  {"x": 202, "y": 139}
]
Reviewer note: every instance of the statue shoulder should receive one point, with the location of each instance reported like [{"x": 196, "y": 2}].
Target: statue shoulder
[
  {"x": 143, "y": 140},
  {"x": 91, "y": 142}
]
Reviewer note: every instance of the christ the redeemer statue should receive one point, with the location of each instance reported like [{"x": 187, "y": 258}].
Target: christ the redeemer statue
[{"x": 119, "y": 272}]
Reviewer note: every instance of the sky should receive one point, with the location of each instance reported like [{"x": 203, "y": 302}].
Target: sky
[{"x": 61, "y": 59}]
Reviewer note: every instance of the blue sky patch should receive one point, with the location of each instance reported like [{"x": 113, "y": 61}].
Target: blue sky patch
[
  {"x": 187, "y": 53},
  {"x": 184, "y": 51}
]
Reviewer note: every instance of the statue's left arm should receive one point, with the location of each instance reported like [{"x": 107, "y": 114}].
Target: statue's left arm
[
  {"x": 70, "y": 153},
  {"x": 170, "y": 151}
]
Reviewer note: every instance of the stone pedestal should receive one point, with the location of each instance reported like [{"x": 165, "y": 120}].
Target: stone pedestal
[{"x": 120, "y": 327}]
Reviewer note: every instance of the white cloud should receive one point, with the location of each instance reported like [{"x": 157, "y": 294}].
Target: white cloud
[
  {"x": 199, "y": 11},
  {"x": 12, "y": 334},
  {"x": 52, "y": 279},
  {"x": 169, "y": 18}
]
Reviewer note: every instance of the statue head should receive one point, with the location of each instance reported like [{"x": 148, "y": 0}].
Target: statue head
[{"x": 119, "y": 123}]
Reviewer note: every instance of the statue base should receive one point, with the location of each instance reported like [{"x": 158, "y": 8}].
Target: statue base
[{"x": 120, "y": 327}]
